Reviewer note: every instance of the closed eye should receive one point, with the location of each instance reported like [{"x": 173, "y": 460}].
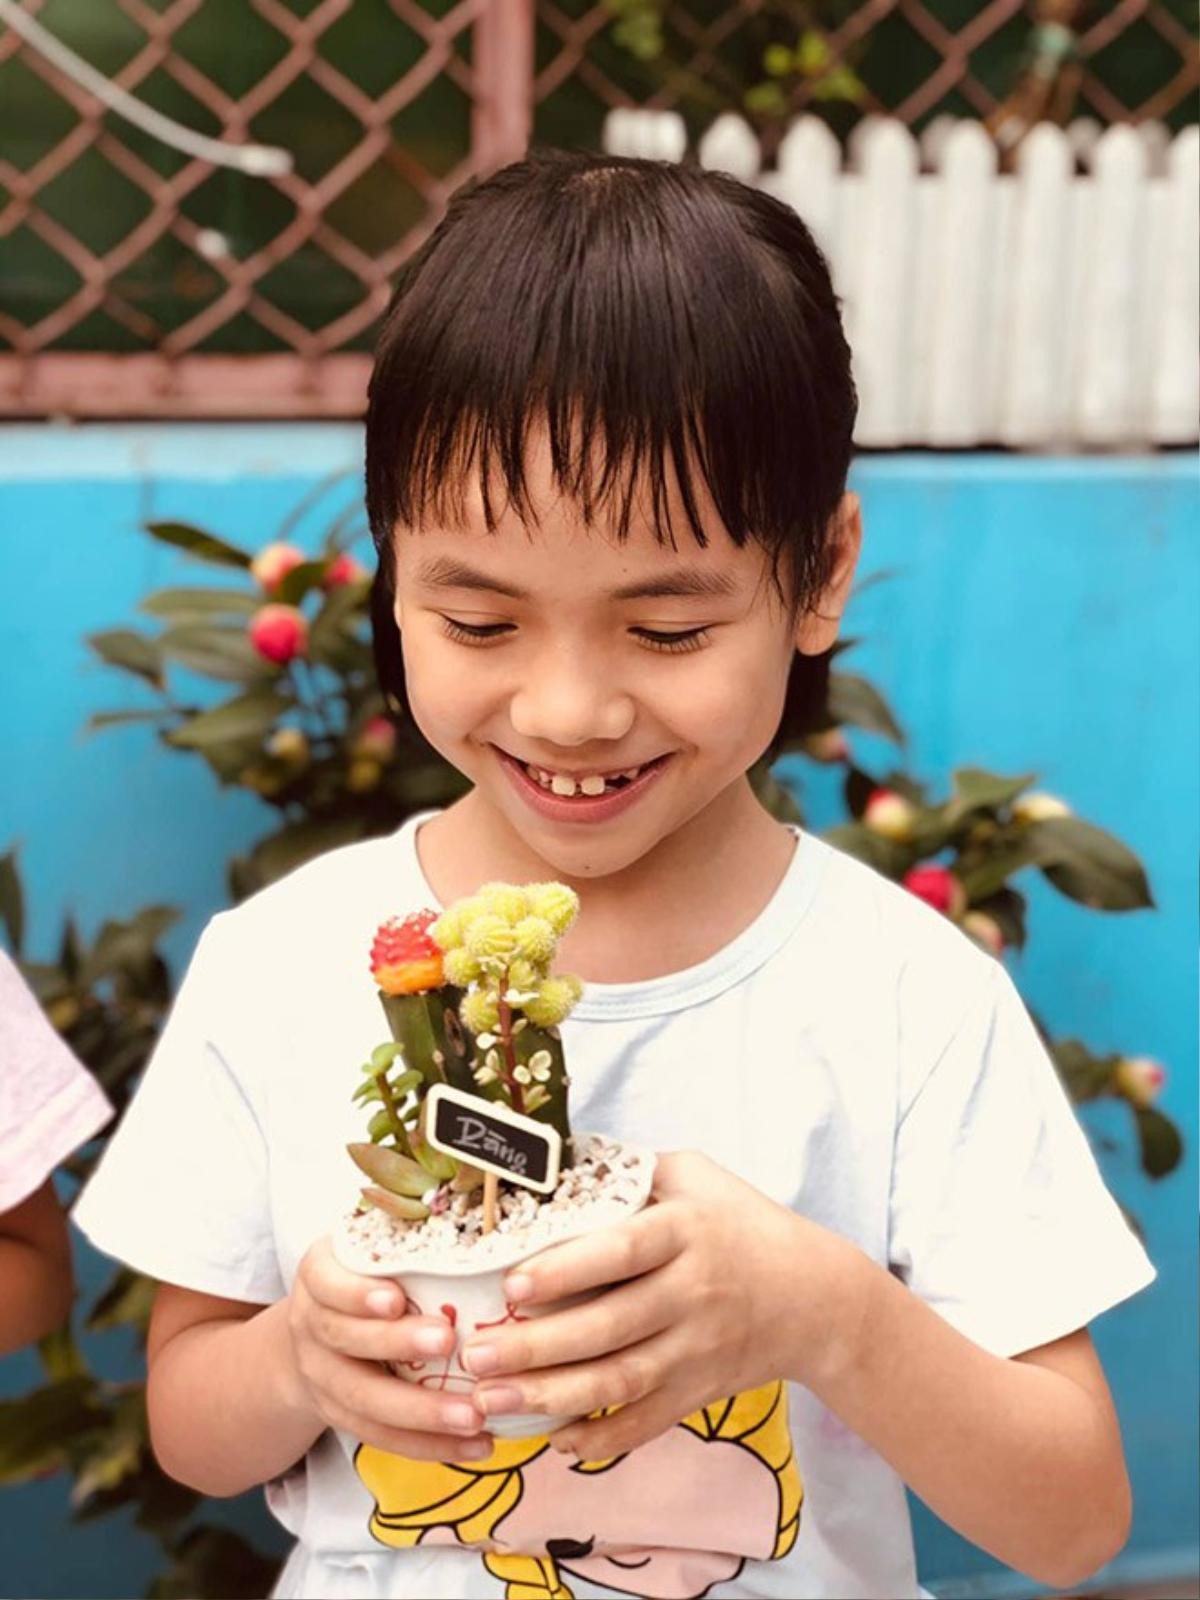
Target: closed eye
[{"x": 654, "y": 638}]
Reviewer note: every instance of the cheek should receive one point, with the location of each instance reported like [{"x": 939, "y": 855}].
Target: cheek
[
  {"x": 449, "y": 691},
  {"x": 738, "y": 699}
]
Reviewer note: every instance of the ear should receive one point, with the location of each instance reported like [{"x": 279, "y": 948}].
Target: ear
[{"x": 817, "y": 628}]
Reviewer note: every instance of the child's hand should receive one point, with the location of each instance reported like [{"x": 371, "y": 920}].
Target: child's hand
[
  {"x": 726, "y": 1291},
  {"x": 342, "y": 1326}
]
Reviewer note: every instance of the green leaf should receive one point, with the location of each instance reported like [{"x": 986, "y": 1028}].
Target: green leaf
[
  {"x": 778, "y": 61},
  {"x": 118, "y": 1453},
  {"x": 131, "y": 651},
  {"x": 37, "y": 1429},
  {"x": 991, "y": 875},
  {"x": 217, "y": 652},
  {"x": 175, "y": 604},
  {"x": 127, "y": 1301},
  {"x": 812, "y": 53},
  {"x": 345, "y": 606},
  {"x": 1089, "y": 865},
  {"x": 301, "y": 841},
  {"x": 127, "y": 945},
  {"x": 60, "y": 1356},
  {"x": 854, "y": 701},
  {"x": 1161, "y": 1145},
  {"x": 857, "y": 790},
  {"x": 976, "y": 790},
  {"x": 70, "y": 951},
  {"x": 383, "y": 1055},
  {"x": 215, "y": 1564},
  {"x": 204, "y": 546},
  {"x": 297, "y": 583},
  {"x": 247, "y": 716},
  {"x": 885, "y": 855},
  {"x": 12, "y": 901},
  {"x": 765, "y": 100},
  {"x": 840, "y": 83},
  {"x": 1007, "y": 909},
  {"x": 117, "y": 719}
]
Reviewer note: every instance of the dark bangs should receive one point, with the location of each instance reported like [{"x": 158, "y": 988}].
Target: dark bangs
[{"x": 662, "y": 323}]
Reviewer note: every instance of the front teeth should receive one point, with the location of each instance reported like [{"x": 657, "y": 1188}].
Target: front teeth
[{"x": 563, "y": 784}]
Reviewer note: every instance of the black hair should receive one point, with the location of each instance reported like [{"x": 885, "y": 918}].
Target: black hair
[{"x": 659, "y": 320}]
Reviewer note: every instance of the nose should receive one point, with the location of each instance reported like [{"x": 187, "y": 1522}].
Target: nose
[{"x": 571, "y": 700}]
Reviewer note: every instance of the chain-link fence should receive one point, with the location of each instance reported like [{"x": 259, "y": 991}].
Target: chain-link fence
[{"x": 137, "y": 278}]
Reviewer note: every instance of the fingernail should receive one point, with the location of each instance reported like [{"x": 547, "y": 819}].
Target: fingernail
[
  {"x": 432, "y": 1341},
  {"x": 499, "y": 1398},
  {"x": 462, "y": 1417},
  {"x": 382, "y": 1302},
  {"x": 475, "y": 1449},
  {"x": 480, "y": 1358},
  {"x": 518, "y": 1287}
]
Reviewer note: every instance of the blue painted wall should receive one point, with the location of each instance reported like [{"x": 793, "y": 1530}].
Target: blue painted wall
[{"x": 1041, "y": 616}]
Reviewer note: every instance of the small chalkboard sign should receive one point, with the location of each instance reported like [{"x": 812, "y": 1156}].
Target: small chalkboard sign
[{"x": 493, "y": 1138}]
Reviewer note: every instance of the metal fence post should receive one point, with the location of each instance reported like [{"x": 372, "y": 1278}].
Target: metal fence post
[{"x": 503, "y": 111}]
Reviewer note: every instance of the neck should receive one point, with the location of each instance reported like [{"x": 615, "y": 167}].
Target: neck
[{"x": 679, "y": 903}]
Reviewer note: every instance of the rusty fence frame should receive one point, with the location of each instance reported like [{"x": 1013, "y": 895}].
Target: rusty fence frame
[{"x": 318, "y": 377}]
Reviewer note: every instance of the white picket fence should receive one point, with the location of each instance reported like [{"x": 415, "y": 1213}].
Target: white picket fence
[{"x": 1046, "y": 309}]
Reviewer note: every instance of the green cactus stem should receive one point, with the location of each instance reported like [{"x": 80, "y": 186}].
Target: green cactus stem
[{"x": 430, "y": 1036}]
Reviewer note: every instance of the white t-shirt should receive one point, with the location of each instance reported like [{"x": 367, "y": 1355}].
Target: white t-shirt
[{"x": 850, "y": 1053}]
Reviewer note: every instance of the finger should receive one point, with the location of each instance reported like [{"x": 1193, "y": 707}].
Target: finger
[
  {"x": 625, "y": 1250},
  {"x": 361, "y": 1389},
  {"x": 624, "y": 1316},
  {"x": 625, "y": 1430},
  {"x": 618, "y": 1380},
  {"x": 447, "y": 1447},
  {"x": 414, "y": 1339},
  {"x": 332, "y": 1285}
]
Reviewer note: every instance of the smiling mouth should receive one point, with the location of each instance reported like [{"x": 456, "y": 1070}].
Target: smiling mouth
[{"x": 567, "y": 785}]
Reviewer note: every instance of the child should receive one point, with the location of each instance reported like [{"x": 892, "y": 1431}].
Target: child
[
  {"x": 607, "y": 447},
  {"x": 49, "y": 1105}
]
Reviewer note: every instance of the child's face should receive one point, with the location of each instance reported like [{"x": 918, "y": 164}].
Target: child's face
[{"x": 602, "y": 659}]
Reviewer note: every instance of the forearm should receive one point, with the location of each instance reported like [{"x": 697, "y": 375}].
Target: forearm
[
  {"x": 226, "y": 1406},
  {"x": 37, "y": 1292},
  {"x": 1018, "y": 1459}
]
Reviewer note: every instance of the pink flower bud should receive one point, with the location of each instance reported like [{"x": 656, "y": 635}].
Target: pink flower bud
[
  {"x": 273, "y": 563},
  {"x": 279, "y": 633},
  {"x": 891, "y": 815},
  {"x": 341, "y": 570},
  {"x": 938, "y": 887},
  {"x": 377, "y": 741},
  {"x": 1139, "y": 1079},
  {"x": 829, "y": 746},
  {"x": 984, "y": 930}
]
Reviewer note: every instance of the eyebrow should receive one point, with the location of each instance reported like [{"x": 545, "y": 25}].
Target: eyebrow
[{"x": 445, "y": 572}]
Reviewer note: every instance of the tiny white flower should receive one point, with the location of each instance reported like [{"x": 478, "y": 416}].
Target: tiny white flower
[
  {"x": 492, "y": 1060},
  {"x": 520, "y": 1025},
  {"x": 523, "y": 1075},
  {"x": 439, "y": 1058},
  {"x": 520, "y": 997},
  {"x": 540, "y": 1063},
  {"x": 485, "y": 1040},
  {"x": 484, "y": 1075}
]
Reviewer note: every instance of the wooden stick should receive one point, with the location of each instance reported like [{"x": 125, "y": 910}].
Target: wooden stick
[{"x": 491, "y": 1193}]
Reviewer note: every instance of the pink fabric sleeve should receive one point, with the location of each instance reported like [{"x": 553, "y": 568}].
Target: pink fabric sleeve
[{"x": 49, "y": 1103}]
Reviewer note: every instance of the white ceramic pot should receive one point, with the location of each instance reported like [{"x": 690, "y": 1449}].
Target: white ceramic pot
[{"x": 471, "y": 1298}]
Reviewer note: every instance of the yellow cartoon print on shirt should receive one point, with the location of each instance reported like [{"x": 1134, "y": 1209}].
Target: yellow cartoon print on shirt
[{"x": 666, "y": 1521}]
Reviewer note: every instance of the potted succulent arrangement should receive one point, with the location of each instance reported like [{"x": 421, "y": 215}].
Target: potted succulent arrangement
[{"x": 471, "y": 1162}]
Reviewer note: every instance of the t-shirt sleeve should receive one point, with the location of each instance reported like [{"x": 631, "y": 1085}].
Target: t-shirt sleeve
[
  {"x": 49, "y": 1102},
  {"x": 1000, "y": 1219},
  {"x": 182, "y": 1192}
]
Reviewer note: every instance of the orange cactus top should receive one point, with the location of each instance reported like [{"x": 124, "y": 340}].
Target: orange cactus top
[{"x": 404, "y": 959}]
